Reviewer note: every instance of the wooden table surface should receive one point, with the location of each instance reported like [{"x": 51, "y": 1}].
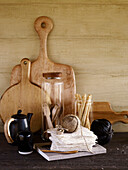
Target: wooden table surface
[{"x": 116, "y": 157}]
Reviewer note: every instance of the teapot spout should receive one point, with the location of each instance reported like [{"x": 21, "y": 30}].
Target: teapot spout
[{"x": 29, "y": 116}]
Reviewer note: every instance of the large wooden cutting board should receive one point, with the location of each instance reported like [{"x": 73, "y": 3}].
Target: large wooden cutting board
[
  {"x": 43, "y": 26},
  {"x": 25, "y": 96}
]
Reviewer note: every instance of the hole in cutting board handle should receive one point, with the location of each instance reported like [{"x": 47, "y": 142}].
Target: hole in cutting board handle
[
  {"x": 125, "y": 116},
  {"x": 43, "y": 24},
  {"x": 25, "y": 62}
]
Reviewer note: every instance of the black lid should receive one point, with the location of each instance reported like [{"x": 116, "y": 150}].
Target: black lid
[{"x": 19, "y": 115}]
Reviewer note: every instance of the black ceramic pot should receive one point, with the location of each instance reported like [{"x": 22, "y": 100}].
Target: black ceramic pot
[
  {"x": 25, "y": 142},
  {"x": 18, "y": 122}
]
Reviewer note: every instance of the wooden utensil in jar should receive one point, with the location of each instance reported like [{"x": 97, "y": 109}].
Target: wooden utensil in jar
[{"x": 46, "y": 111}]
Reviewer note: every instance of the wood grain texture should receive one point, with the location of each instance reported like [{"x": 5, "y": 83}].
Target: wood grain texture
[
  {"x": 86, "y": 2},
  {"x": 9, "y": 140},
  {"x": 103, "y": 110},
  {"x": 44, "y": 65},
  {"x": 91, "y": 36},
  {"x": 25, "y": 96}
]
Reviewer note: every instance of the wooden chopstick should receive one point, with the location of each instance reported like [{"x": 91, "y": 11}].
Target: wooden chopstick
[
  {"x": 87, "y": 111},
  {"x": 65, "y": 152},
  {"x": 82, "y": 106}
]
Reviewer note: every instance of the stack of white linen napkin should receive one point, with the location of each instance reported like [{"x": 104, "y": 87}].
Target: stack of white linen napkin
[{"x": 81, "y": 140}]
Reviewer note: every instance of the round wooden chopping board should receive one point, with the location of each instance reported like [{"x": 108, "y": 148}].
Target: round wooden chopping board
[{"x": 25, "y": 96}]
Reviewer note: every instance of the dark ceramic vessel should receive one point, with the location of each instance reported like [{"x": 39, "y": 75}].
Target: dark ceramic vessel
[
  {"x": 25, "y": 142},
  {"x": 21, "y": 123}
]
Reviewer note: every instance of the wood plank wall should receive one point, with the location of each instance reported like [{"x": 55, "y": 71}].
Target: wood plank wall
[{"x": 91, "y": 36}]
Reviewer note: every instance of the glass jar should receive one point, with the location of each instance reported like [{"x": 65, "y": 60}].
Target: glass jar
[
  {"x": 53, "y": 87},
  {"x": 83, "y": 109}
]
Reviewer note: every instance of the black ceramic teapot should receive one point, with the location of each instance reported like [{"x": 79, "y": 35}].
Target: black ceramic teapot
[{"x": 18, "y": 122}]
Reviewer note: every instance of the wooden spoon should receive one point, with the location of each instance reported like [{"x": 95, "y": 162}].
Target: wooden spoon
[{"x": 46, "y": 111}]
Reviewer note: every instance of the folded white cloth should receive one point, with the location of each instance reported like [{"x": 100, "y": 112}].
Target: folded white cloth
[
  {"x": 57, "y": 147},
  {"x": 85, "y": 131},
  {"x": 82, "y": 140},
  {"x": 73, "y": 140}
]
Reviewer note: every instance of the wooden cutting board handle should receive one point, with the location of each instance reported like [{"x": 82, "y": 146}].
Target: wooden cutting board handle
[
  {"x": 25, "y": 73},
  {"x": 103, "y": 110},
  {"x": 43, "y": 26},
  {"x": 9, "y": 139}
]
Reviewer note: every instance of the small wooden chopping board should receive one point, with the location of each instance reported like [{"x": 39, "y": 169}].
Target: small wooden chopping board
[
  {"x": 25, "y": 96},
  {"x": 43, "y": 26},
  {"x": 103, "y": 110}
]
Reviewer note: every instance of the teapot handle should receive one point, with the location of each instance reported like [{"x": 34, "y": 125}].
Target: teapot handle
[{"x": 7, "y": 130}]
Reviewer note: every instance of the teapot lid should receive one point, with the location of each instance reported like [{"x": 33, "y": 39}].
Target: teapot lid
[{"x": 19, "y": 115}]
